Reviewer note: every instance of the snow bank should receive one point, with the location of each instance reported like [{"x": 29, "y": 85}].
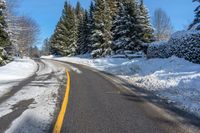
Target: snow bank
[
  {"x": 15, "y": 72},
  {"x": 173, "y": 78},
  {"x": 44, "y": 91}
]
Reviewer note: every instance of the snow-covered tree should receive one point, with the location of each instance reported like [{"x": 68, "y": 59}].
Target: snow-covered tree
[
  {"x": 84, "y": 36},
  {"x": 113, "y": 5},
  {"x": 64, "y": 39},
  {"x": 146, "y": 28},
  {"x": 90, "y": 27},
  {"x": 4, "y": 38},
  {"x": 136, "y": 30},
  {"x": 131, "y": 27},
  {"x": 196, "y": 23},
  {"x": 121, "y": 30},
  {"x": 102, "y": 29}
]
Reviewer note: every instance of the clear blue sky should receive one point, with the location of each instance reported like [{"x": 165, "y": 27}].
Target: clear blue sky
[{"x": 48, "y": 12}]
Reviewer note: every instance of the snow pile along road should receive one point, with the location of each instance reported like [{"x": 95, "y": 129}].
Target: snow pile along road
[
  {"x": 36, "y": 101},
  {"x": 14, "y": 72},
  {"x": 174, "y": 79}
]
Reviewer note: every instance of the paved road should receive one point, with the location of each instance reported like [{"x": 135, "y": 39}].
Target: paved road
[{"x": 97, "y": 105}]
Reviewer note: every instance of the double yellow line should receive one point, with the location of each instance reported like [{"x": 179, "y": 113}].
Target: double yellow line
[{"x": 59, "y": 122}]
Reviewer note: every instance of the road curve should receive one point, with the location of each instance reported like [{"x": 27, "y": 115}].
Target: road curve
[{"x": 97, "y": 105}]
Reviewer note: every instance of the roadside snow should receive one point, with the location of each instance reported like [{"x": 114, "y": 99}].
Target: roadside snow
[
  {"x": 174, "y": 79},
  {"x": 15, "y": 72},
  {"x": 43, "y": 90}
]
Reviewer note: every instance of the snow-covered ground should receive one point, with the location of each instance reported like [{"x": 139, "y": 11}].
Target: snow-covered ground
[
  {"x": 174, "y": 79},
  {"x": 14, "y": 72},
  {"x": 43, "y": 91}
]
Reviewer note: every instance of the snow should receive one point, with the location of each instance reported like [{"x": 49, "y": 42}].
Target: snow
[
  {"x": 14, "y": 72},
  {"x": 174, "y": 79},
  {"x": 44, "y": 91}
]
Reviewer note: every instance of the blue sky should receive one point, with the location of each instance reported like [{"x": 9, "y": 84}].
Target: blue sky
[{"x": 48, "y": 12}]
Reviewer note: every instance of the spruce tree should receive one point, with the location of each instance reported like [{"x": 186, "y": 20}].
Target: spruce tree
[
  {"x": 90, "y": 27},
  {"x": 196, "y": 23},
  {"x": 83, "y": 36},
  {"x": 113, "y": 5},
  {"x": 121, "y": 30},
  {"x": 71, "y": 38},
  {"x": 136, "y": 41},
  {"x": 64, "y": 40},
  {"x": 79, "y": 11},
  {"x": 146, "y": 28},
  {"x": 131, "y": 27},
  {"x": 4, "y": 38},
  {"x": 102, "y": 29}
]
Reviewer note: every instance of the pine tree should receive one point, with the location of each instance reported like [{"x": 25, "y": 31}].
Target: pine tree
[
  {"x": 64, "y": 40},
  {"x": 146, "y": 28},
  {"x": 71, "y": 38},
  {"x": 102, "y": 29},
  {"x": 90, "y": 27},
  {"x": 56, "y": 41},
  {"x": 131, "y": 27},
  {"x": 196, "y": 23},
  {"x": 135, "y": 44},
  {"x": 121, "y": 30},
  {"x": 79, "y": 11},
  {"x": 113, "y": 5},
  {"x": 4, "y": 38},
  {"x": 83, "y": 38}
]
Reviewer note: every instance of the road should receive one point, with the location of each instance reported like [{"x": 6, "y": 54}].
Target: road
[
  {"x": 98, "y": 105},
  {"x": 95, "y": 104}
]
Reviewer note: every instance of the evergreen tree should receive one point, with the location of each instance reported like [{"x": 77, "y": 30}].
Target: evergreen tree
[
  {"x": 136, "y": 41},
  {"x": 83, "y": 38},
  {"x": 102, "y": 29},
  {"x": 79, "y": 11},
  {"x": 90, "y": 27},
  {"x": 113, "y": 5},
  {"x": 4, "y": 38},
  {"x": 131, "y": 27},
  {"x": 65, "y": 37},
  {"x": 121, "y": 30},
  {"x": 196, "y": 23},
  {"x": 146, "y": 28}
]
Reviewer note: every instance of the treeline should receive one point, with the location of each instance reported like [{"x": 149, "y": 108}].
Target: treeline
[{"x": 108, "y": 27}]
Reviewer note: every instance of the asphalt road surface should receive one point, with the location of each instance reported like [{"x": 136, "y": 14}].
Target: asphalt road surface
[{"x": 98, "y": 105}]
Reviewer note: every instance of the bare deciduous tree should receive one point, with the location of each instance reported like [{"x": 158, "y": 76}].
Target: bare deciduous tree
[
  {"x": 162, "y": 25},
  {"x": 23, "y": 30},
  {"x": 27, "y": 34}
]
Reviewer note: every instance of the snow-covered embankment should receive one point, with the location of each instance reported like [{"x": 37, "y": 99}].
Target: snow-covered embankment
[{"x": 14, "y": 72}]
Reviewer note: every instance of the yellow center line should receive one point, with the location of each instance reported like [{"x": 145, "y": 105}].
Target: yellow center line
[{"x": 59, "y": 122}]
